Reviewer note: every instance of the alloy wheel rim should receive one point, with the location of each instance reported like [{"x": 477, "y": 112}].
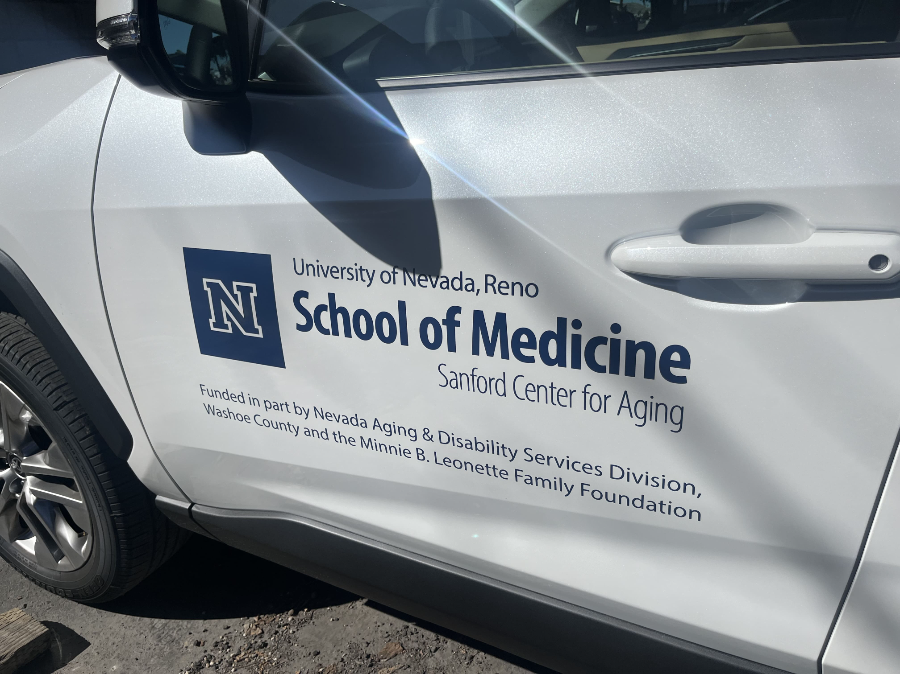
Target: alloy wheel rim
[{"x": 43, "y": 514}]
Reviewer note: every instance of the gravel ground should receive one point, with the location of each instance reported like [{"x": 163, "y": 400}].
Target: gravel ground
[{"x": 215, "y": 609}]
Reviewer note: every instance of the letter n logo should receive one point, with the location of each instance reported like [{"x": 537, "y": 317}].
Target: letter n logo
[
  {"x": 233, "y": 303},
  {"x": 226, "y": 308}
]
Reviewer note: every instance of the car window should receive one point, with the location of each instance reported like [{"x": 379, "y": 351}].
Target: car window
[{"x": 359, "y": 40}]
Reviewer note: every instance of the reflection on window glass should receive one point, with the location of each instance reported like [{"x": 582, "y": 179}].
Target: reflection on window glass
[
  {"x": 362, "y": 40},
  {"x": 193, "y": 35}
]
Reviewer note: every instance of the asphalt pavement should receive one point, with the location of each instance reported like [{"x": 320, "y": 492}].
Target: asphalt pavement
[{"x": 215, "y": 609}]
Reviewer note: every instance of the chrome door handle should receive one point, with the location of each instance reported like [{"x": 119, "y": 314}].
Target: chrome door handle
[{"x": 823, "y": 257}]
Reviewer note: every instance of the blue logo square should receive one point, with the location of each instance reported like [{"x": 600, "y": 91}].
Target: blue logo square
[{"x": 233, "y": 301}]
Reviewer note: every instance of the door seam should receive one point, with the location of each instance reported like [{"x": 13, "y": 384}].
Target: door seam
[
  {"x": 103, "y": 294},
  {"x": 867, "y": 534}
]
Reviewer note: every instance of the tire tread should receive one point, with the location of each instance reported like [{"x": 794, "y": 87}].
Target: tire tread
[{"x": 143, "y": 537}]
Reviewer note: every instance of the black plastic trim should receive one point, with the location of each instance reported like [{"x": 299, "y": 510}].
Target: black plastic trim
[
  {"x": 547, "y": 631},
  {"x": 180, "y": 513},
  {"x": 218, "y": 129},
  {"x": 24, "y": 298}
]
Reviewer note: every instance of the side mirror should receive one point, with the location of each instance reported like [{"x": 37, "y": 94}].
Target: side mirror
[
  {"x": 190, "y": 49},
  {"x": 195, "y": 50}
]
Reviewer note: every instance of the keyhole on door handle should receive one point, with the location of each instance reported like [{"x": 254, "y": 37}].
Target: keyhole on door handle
[{"x": 879, "y": 263}]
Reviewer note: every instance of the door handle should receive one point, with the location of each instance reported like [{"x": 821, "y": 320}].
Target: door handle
[{"x": 823, "y": 257}]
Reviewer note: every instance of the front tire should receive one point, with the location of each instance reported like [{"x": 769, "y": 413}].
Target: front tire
[{"x": 73, "y": 517}]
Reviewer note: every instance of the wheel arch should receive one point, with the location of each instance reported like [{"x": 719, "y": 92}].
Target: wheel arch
[{"x": 19, "y": 295}]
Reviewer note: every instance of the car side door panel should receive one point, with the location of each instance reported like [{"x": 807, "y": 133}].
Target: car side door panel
[{"x": 507, "y": 200}]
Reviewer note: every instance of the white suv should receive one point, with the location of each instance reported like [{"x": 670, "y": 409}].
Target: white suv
[{"x": 569, "y": 324}]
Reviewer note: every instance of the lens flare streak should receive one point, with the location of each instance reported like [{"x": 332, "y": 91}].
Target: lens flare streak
[{"x": 370, "y": 111}]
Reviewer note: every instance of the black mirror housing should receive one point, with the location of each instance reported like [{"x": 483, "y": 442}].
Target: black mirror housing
[{"x": 195, "y": 50}]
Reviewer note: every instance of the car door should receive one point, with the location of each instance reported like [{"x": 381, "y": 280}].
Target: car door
[{"x": 620, "y": 332}]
